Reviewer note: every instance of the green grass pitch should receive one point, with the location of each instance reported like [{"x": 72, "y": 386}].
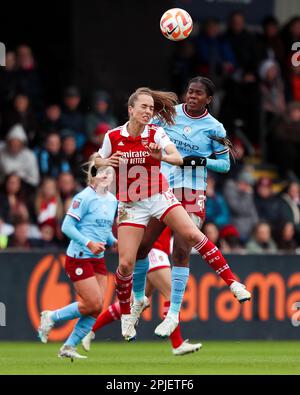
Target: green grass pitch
[{"x": 223, "y": 357}]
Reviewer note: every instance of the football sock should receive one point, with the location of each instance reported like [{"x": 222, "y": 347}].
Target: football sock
[
  {"x": 113, "y": 313},
  {"x": 81, "y": 329},
  {"x": 180, "y": 277},
  {"x": 212, "y": 255},
  {"x": 123, "y": 289},
  {"x": 175, "y": 336},
  {"x": 139, "y": 278},
  {"x": 66, "y": 313}
]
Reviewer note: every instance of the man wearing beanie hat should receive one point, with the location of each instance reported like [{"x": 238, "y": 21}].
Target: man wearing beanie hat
[{"x": 16, "y": 157}]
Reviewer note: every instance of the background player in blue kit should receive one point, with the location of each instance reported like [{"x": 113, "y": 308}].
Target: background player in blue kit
[
  {"x": 197, "y": 135},
  {"x": 88, "y": 224}
]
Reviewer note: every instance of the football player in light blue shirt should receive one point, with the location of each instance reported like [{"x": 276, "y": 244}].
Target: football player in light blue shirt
[
  {"x": 197, "y": 136},
  {"x": 88, "y": 224}
]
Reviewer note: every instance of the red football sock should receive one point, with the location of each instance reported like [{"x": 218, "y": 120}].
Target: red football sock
[
  {"x": 211, "y": 254},
  {"x": 175, "y": 336},
  {"x": 113, "y": 313},
  {"x": 123, "y": 289}
]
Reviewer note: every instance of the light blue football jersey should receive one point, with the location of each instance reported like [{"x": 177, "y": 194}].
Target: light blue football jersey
[
  {"x": 192, "y": 136},
  {"x": 95, "y": 215}
]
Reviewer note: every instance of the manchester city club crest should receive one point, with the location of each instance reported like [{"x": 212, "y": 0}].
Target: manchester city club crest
[
  {"x": 76, "y": 204},
  {"x": 187, "y": 129}
]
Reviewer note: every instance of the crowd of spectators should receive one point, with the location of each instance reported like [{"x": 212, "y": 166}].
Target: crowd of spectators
[{"x": 43, "y": 144}]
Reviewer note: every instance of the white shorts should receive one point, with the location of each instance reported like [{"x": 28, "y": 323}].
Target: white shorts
[
  {"x": 158, "y": 260},
  {"x": 138, "y": 214}
]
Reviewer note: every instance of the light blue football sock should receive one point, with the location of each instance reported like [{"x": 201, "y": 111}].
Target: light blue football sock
[
  {"x": 66, "y": 313},
  {"x": 139, "y": 278},
  {"x": 81, "y": 329},
  {"x": 180, "y": 277}
]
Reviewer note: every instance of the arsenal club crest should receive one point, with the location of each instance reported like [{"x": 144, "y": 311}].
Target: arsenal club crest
[{"x": 144, "y": 142}]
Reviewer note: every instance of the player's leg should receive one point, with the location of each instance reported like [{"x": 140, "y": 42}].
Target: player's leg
[
  {"x": 88, "y": 331},
  {"x": 152, "y": 232},
  {"x": 91, "y": 295},
  {"x": 129, "y": 238},
  {"x": 194, "y": 204},
  {"x": 179, "y": 221},
  {"x": 82, "y": 275},
  {"x": 161, "y": 279}
]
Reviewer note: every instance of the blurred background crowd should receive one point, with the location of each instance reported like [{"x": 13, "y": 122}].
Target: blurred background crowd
[{"x": 255, "y": 208}]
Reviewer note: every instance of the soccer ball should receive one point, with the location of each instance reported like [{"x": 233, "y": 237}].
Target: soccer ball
[{"x": 176, "y": 24}]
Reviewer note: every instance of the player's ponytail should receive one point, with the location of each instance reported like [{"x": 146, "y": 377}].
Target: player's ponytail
[{"x": 164, "y": 103}]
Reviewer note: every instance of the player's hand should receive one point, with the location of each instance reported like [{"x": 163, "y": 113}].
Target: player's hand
[
  {"x": 96, "y": 247},
  {"x": 114, "y": 160},
  {"x": 155, "y": 151}
]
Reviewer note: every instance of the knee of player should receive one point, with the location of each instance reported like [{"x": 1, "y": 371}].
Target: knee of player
[
  {"x": 93, "y": 306},
  {"x": 126, "y": 266},
  {"x": 192, "y": 236}
]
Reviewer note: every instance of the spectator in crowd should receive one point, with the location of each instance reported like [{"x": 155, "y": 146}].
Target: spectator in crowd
[
  {"x": 28, "y": 76},
  {"x": 240, "y": 198},
  {"x": 293, "y": 86},
  {"x": 48, "y": 237},
  {"x": 52, "y": 118},
  {"x": 101, "y": 113},
  {"x": 290, "y": 34},
  {"x": 216, "y": 207},
  {"x": 72, "y": 118},
  {"x": 48, "y": 205},
  {"x": 183, "y": 65},
  {"x": 268, "y": 205},
  {"x": 211, "y": 231},
  {"x": 71, "y": 155},
  {"x": 286, "y": 239},
  {"x": 230, "y": 242},
  {"x": 16, "y": 157},
  {"x": 242, "y": 43},
  {"x": 95, "y": 141},
  {"x": 291, "y": 206},
  {"x": 50, "y": 158},
  {"x": 287, "y": 135},
  {"x": 270, "y": 44},
  {"x": 8, "y": 81},
  {"x": 20, "y": 238},
  {"x": 67, "y": 188},
  {"x": 272, "y": 94},
  {"x": 12, "y": 200},
  {"x": 22, "y": 114},
  {"x": 261, "y": 242},
  {"x": 215, "y": 57},
  {"x": 242, "y": 91}
]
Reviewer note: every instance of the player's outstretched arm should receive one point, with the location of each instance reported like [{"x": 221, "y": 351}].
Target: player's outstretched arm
[{"x": 172, "y": 156}]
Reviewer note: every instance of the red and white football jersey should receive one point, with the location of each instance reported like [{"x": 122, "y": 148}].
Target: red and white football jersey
[{"x": 138, "y": 176}]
